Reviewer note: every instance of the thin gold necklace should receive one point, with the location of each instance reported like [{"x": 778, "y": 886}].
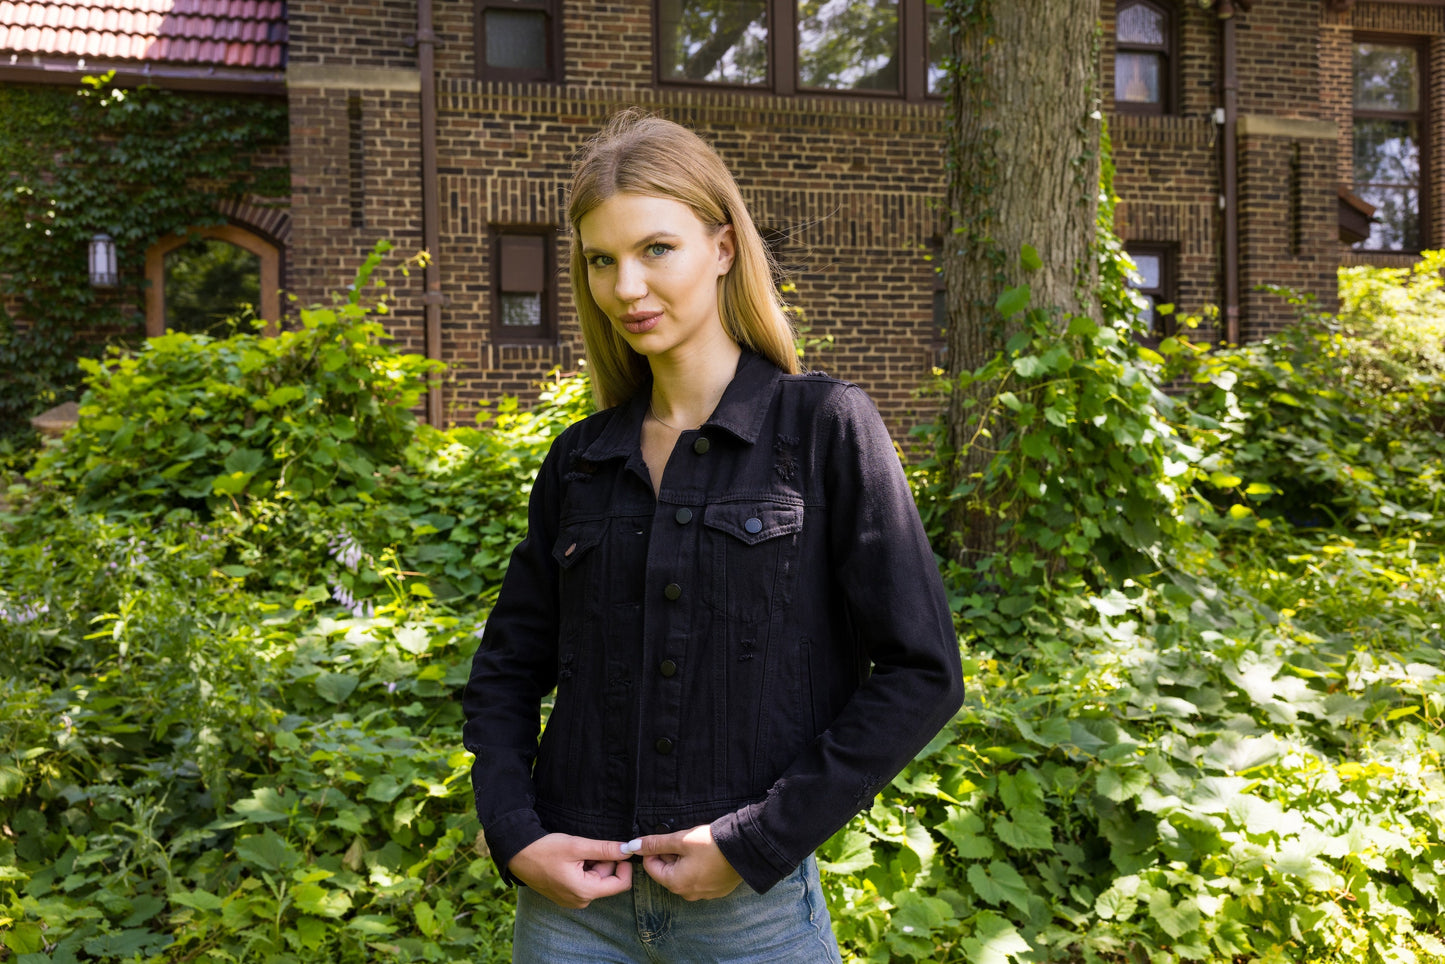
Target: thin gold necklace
[{"x": 660, "y": 421}]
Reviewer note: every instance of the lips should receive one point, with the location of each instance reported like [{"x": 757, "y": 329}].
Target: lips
[{"x": 638, "y": 322}]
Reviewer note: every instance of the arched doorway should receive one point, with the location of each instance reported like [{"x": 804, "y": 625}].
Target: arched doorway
[{"x": 199, "y": 279}]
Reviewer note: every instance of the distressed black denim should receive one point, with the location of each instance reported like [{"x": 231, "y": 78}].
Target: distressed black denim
[{"x": 759, "y": 648}]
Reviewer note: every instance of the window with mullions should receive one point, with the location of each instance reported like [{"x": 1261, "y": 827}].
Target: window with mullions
[
  {"x": 518, "y": 40},
  {"x": 1143, "y": 57},
  {"x": 1153, "y": 278},
  {"x": 1389, "y": 122},
  {"x": 524, "y": 297},
  {"x": 886, "y": 47}
]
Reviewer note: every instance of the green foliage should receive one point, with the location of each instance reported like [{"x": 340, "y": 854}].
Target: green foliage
[
  {"x": 1335, "y": 420},
  {"x": 228, "y": 733},
  {"x": 226, "y": 725},
  {"x": 137, "y": 164}
]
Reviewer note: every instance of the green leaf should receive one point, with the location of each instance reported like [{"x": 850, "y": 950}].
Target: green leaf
[
  {"x": 268, "y": 851},
  {"x": 994, "y": 940},
  {"x": 413, "y": 639},
  {"x": 196, "y": 899},
  {"x": 1122, "y": 783},
  {"x": 1029, "y": 257},
  {"x": 265, "y": 805},
  {"x": 336, "y": 687},
  {"x": 1025, "y": 829},
  {"x": 24, "y": 938},
  {"x": 998, "y": 884},
  {"x": 12, "y": 781},
  {"x": 1176, "y": 920},
  {"x": 1012, "y": 301},
  {"x": 967, "y": 832},
  {"x": 847, "y": 853},
  {"x": 244, "y": 461},
  {"x": 321, "y": 901},
  {"x": 1028, "y": 365}
]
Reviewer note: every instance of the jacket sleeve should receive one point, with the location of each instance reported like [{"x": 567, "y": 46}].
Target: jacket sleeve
[
  {"x": 515, "y": 666},
  {"x": 884, "y": 572}
]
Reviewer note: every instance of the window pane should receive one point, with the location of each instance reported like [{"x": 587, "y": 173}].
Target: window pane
[
  {"x": 1397, "y": 218},
  {"x": 848, "y": 44},
  {"x": 719, "y": 41},
  {"x": 522, "y": 311},
  {"x": 1387, "y": 152},
  {"x": 1148, "y": 270},
  {"x": 938, "y": 50},
  {"x": 516, "y": 39},
  {"x": 1140, "y": 25},
  {"x": 208, "y": 282},
  {"x": 1387, "y": 77},
  {"x": 1136, "y": 78}
]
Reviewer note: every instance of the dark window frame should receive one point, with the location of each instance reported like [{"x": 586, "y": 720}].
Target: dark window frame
[
  {"x": 1166, "y": 292},
  {"x": 1169, "y": 72},
  {"x": 545, "y": 333},
  {"x": 782, "y": 45},
  {"x": 553, "y": 73},
  {"x": 1421, "y": 116}
]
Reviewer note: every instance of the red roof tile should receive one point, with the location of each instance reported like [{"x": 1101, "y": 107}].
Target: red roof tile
[{"x": 231, "y": 33}]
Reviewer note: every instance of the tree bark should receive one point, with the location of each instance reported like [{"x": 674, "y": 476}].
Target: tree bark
[{"x": 1023, "y": 152}]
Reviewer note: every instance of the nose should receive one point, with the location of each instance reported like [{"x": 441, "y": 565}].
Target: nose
[{"x": 631, "y": 284}]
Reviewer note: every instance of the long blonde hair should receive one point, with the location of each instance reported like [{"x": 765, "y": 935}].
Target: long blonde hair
[{"x": 640, "y": 154}]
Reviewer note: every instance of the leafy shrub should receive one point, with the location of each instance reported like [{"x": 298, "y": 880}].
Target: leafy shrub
[
  {"x": 192, "y": 423},
  {"x": 218, "y": 743},
  {"x": 1336, "y": 420}
]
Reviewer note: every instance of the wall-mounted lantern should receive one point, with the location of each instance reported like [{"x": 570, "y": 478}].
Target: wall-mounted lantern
[{"x": 102, "y": 262}]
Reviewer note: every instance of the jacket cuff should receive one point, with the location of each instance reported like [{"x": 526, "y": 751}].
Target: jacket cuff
[
  {"x": 509, "y": 835},
  {"x": 759, "y": 866}
]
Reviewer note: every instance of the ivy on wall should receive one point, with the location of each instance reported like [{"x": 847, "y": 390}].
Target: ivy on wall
[{"x": 137, "y": 164}]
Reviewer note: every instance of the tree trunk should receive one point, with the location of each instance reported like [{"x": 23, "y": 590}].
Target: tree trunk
[{"x": 1023, "y": 151}]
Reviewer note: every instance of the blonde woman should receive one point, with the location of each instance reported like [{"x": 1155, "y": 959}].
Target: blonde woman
[{"x": 725, "y": 581}]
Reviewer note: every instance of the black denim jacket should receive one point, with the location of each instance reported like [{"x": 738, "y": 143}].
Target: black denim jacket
[{"x": 761, "y": 648}]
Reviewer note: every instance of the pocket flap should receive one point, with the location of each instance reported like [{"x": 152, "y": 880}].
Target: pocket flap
[
  {"x": 574, "y": 541},
  {"x": 754, "y": 522}
]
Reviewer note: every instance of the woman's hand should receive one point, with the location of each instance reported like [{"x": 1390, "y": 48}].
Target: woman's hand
[
  {"x": 572, "y": 871},
  {"x": 688, "y": 863}
]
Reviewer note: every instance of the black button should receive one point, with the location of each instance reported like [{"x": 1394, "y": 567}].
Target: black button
[
  {"x": 753, "y": 526},
  {"x": 683, "y": 516},
  {"x": 667, "y": 668},
  {"x": 701, "y": 446},
  {"x": 662, "y": 827},
  {"x": 663, "y": 746},
  {"x": 672, "y": 590}
]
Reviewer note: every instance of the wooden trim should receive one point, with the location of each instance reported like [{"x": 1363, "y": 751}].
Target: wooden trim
[{"x": 270, "y": 255}]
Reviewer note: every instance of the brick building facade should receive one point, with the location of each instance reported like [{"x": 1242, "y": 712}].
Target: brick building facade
[{"x": 413, "y": 120}]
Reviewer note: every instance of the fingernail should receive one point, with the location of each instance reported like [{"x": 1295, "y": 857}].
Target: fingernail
[{"x": 632, "y": 846}]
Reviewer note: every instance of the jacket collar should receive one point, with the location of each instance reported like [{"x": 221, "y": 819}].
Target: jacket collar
[{"x": 740, "y": 412}]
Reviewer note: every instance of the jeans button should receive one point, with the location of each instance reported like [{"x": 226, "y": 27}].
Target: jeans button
[
  {"x": 672, "y": 591},
  {"x": 667, "y": 668},
  {"x": 701, "y": 446},
  {"x": 663, "y": 746},
  {"x": 683, "y": 516}
]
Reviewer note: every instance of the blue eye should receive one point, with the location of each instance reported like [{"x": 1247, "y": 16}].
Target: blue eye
[
  {"x": 599, "y": 261},
  {"x": 658, "y": 249}
]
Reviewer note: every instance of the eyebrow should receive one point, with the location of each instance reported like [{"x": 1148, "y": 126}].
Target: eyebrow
[{"x": 652, "y": 238}]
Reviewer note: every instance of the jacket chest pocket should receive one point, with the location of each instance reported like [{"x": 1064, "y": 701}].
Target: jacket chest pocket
[{"x": 753, "y": 550}]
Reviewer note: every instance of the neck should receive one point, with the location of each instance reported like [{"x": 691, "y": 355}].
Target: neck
[{"x": 686, "y": 390}]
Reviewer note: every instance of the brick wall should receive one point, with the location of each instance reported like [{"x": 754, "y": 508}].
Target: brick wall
[{"x": 852, "y": 182}]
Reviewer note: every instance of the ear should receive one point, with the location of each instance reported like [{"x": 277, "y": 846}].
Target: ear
[{"x": 727, "y": 249}]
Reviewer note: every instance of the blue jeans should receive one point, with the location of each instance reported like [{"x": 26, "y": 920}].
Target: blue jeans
[{"x": 651, "y": 925}]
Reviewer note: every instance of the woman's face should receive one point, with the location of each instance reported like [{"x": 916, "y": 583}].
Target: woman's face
[{"x": 655, "y": 269}]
